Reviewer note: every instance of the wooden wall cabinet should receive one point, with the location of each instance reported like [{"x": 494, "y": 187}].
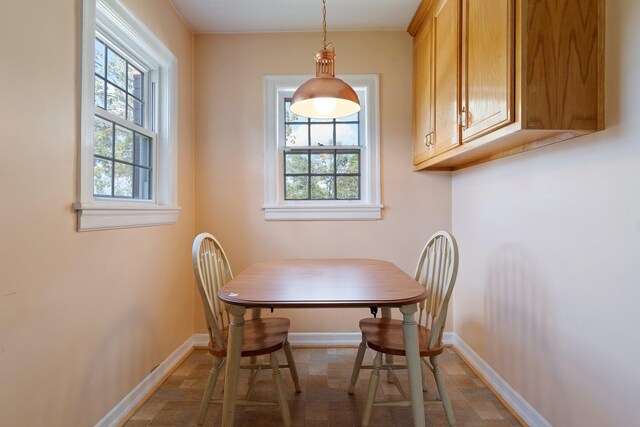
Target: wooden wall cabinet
[{"x": 493, "y": 78}]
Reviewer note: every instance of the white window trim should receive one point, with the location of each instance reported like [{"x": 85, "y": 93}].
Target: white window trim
[
  {"x": 278, "y": 209},
  {"x": 115, "y": 20}
]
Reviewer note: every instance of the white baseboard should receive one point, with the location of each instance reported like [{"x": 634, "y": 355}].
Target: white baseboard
[
  {"x": 512, "y": 397},
  {"x": 325, "y": 338},
  {"x": 319, "y": 339},
  {"x": 200, "y": 340},
  {"x": 447, "y": 338},
  {"x": 328, "y": 339},
  {"x": 118, "y": 413}
]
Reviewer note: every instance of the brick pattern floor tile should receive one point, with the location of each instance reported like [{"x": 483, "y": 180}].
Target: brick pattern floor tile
[{"x": 324, "y": 376}]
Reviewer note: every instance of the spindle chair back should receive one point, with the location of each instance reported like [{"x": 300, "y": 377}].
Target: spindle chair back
[
  {"x": 261, "y": 336},
  {"x": 437, "y": 270},
  {"x": 212, "y": 270}
]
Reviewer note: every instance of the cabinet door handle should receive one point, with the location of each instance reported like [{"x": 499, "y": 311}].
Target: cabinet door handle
[
  {"x": 427, "y": 139},
  {"x": 462, "y": 118}
]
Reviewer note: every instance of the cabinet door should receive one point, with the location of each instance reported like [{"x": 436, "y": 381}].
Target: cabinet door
[
  {"x": 487, "y": 66},
  {"x": 423, "y": 92},
  {"x": 446, "y": 26}
]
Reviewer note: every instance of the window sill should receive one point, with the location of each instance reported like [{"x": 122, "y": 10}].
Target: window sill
[
  {"x": 123, "y": 215},
  {"x": 368, "y": 212}
]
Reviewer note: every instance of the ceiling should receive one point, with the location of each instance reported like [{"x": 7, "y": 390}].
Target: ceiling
[{"x": 252, "y": 16}]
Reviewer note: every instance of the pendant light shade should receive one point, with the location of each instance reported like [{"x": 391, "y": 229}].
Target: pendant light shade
[{"x": 325, "y": 96}]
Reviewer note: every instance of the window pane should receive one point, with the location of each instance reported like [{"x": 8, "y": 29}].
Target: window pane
[
  {"x": 123, "y": 180},
  {"x": 322, "y": 187},
  {"x": 99, "y": 93},
  {"x": 102, "y": 139},
  {"x": 99, "y": 59},
  {"x": 116, "y": 101},
  {"x": 102, "y": 170},
  {"x": 142, "y": 151},
  {"x": 322, "y": 163},
  {"x": 142, "y": 187},
  {"x": 347, "y": 162},
  {"x": 290, "y": 117},
  {"x": 322, "y": 134},
  {"x": 296, "y": 188},
  {"x": 134, "y": 81},
  {"x": 347, "y": 134},
  {"x": 351, "y": 118},
  {"x": 348, "y": 187},
  {"x": 296, "y": 163},
  {"x": 124, "y": 145},
  {"x": 116, "y": 69},
  {"x": 134, "y": 110},
  {"x": 296, "y": 135},
  {"x": 325, "y": 173}
]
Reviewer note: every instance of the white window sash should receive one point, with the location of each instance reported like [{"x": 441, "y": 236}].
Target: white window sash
[{"x": 109, "y": 116}]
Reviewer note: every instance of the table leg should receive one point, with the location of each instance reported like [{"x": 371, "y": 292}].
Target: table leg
[
  {"x": 234, "y": 349},
  {"x": 388, "y": 358},
  {"x": 412, "y": 351}
]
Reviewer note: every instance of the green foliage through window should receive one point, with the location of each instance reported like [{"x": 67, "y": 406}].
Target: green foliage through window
[{"x": 315, "y": 173}]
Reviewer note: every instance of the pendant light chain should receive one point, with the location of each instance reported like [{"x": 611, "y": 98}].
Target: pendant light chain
[
  {"x": 324, "y": 24},
  {"x": 325, "y": 96}
]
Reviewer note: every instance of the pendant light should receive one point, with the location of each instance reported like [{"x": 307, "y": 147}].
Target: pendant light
[{"x": 325, "y": 96}]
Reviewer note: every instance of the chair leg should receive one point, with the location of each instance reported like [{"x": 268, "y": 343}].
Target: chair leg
[
  {"x": 253, "y": 379},
  {"x": 292, "y": 366},
  {"x": 424, "y": 376},
  {"x": 282, "y": 400},
  {"x": 373, "y": 388},
  {"x": 357, "y": 365},
  {"x": 208, "y": 392},
  {"x": 388, "y": 358},
  {"x": 442, "y": 389},
  {"x": 252, "y": 360}
]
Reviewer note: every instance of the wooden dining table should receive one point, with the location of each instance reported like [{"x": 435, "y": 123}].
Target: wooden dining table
[{"x": 322, "y": 283}]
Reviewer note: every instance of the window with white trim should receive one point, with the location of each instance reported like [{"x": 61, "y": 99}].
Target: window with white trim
[
  {"x": 128, "y": 148},
  {"x": 321, "y": 169}
]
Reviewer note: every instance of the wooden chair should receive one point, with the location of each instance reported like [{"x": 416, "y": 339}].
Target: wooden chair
[
  {"x": 437, "y": 270},
  {"x": 261, "y": 336}
]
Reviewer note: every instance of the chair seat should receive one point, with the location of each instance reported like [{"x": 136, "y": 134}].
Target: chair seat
[
  {"x": 261, "y": 336},
  {"x": 386, "y": 336}
]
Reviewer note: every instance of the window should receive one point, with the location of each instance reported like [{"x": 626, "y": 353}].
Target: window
[
  {"x": 313, "y": 172},
  {"x": 128, "y": 149},
  {"x": 321, "y": 169},
  {"x": 122, "y": 146}
]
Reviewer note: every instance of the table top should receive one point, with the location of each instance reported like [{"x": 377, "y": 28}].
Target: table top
[{"x": 300, "y": 283}]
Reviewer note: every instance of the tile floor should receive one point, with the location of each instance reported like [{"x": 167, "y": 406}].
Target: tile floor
[{"x": 324, "y": 377}]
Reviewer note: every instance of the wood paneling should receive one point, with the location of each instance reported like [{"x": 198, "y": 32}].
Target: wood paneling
[
  {"x": 530, "y": 74},
  {"x": 446, "y": 61},
  {"x": 423, "y": 92},
  {"x": 487, "y": 66},
  {"x": 424, "y": 8},
  {"x": 562, "y": 64}
]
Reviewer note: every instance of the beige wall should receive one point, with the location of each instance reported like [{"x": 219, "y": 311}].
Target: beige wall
[
  {"x": 549, "y": 278},
  {"x": 229, "y": 158},
  {"x": 84, "y": 317}
]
